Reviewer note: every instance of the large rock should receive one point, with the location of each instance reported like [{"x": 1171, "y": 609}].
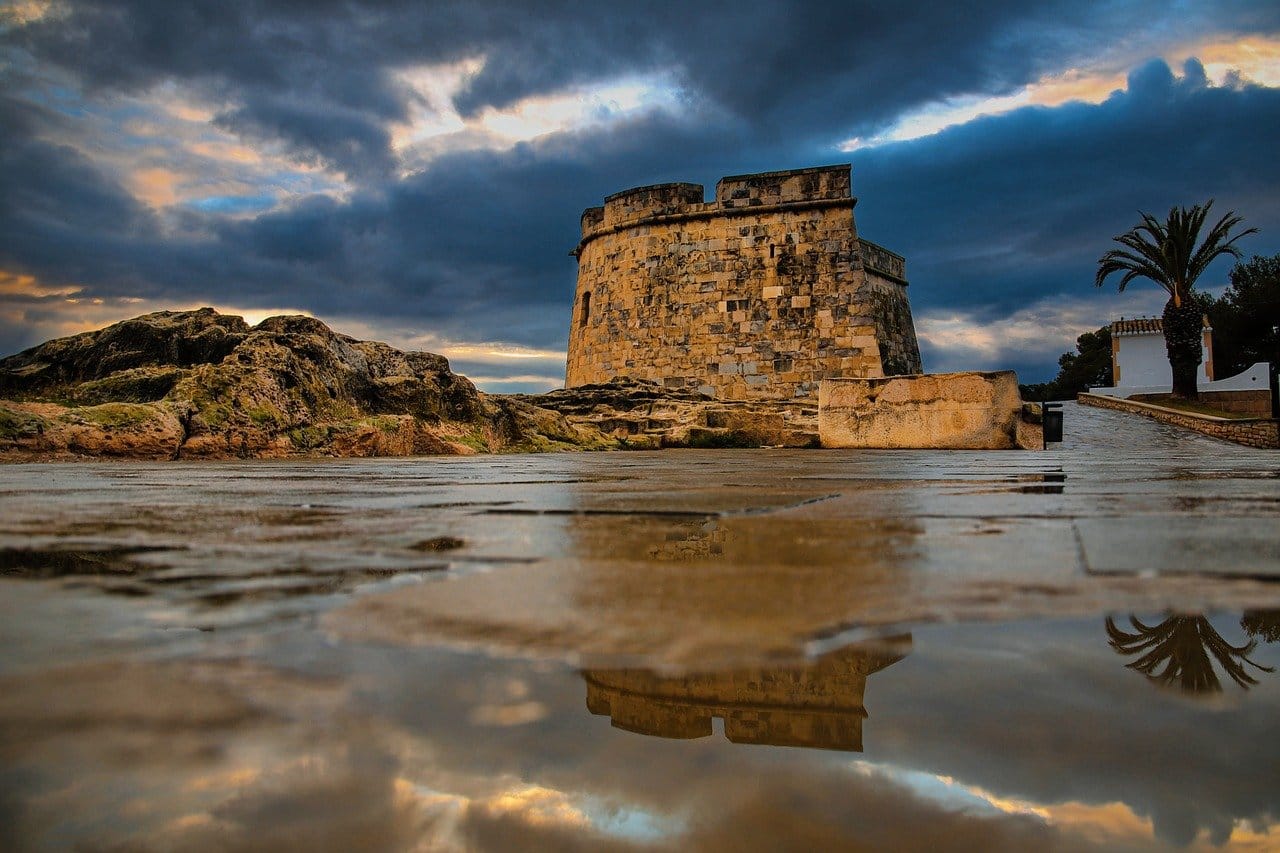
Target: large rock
[
  {"x": 979, "y": 411},
  {"x": 643, "y": 415},
  {"x": 200, "y": 384},
  {"x": 131, "y": 430},
  {"x": 137, "y": 352}
]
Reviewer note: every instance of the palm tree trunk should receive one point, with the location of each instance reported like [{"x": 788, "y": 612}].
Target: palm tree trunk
[{"x": 1183, "y": 331}]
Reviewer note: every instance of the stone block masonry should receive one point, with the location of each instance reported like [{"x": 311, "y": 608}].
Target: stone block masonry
[
  {"x": 759, "y": 294},
  {"x": 972, "y": 410}
]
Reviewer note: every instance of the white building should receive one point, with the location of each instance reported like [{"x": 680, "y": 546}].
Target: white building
[
  {"x": 1140, "y": 362},
  {"x": 1139, "y": 358}
]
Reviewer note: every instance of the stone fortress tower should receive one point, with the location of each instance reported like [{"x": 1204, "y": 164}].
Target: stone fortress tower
[{"x": 758, "y": 294}]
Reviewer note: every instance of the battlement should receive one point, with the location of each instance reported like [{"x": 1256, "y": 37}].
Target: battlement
[
  {"x": 654, "y": 200},
  {"x": 736, "y": 195},
  {"x": 816, "y": 183},
  {"x": 592, "y": 218}
]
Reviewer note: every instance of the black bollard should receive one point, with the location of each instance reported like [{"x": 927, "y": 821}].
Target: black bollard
[{"x": 1051, "y": 423}]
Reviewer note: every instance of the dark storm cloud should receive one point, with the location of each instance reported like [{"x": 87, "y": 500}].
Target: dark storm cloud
[
  {"x": 1028, "y": 200},
  {"x": 826, "y": 68},
  {"x": 317, "y": 132},
  {"x": 1005, "y": 211},
  {"x": 54, "y": 191},
  {"x": 992, "y": 215}
]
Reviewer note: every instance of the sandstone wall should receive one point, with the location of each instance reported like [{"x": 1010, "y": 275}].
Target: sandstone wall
[
  {"x": 758, "y": 294},
  {"x": 972, "y": 410},
  {"x": 1256, "y": 403}
]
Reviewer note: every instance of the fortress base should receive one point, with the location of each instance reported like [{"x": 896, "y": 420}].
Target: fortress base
[{"x": 976, "y": 411}]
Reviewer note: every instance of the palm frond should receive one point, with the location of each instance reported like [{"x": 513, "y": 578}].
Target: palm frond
[
  {"x": 1132, "y": 264},
  {"x": 1216, "y": 243},
  {"x": 1170, "y": 253},
  {"x": 1181, "y": 651}
]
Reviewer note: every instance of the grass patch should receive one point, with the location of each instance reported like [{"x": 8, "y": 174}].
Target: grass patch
[
  {"x": 385, "y": 423},
  {"x": 473, "y": 439},
  {"x": 264, "y": 416},
  {"x": 308, "y": 438},
  {"x": 115, "y": 415},
  {"x": 215, "y": 415},
  {"x": 14, "y": 425}
]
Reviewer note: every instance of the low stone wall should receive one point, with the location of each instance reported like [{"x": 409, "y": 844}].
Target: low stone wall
[
  {"x": 975, "y": 411},
  {"x": 1253, "y": 432},
  {"x": 1256, "y": 403}
]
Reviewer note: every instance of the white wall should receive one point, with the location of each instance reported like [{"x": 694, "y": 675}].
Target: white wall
[
  {"x": 1143, "y": 361},
  {"x": 1256, "y": 378}
]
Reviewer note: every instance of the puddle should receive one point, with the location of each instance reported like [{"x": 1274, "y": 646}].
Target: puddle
[
  {"x": 1033, "y": 734},
  {"x": 37, "y": 564},
  {"x": 1075, "y": 650},
  {"x": 117, "y": 571}
]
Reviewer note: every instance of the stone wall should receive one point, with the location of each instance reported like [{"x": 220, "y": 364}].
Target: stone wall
[
  {"x": 977, "y": 411},
  {"x": 758, "y": 294},
  {"x": 1254, "y": 432},
  {"x": 1256, "y": 403}
]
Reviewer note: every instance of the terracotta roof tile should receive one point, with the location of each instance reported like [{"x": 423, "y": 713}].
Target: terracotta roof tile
[{"x": 1143, "y": 326}]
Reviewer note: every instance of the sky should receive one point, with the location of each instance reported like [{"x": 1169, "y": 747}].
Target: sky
[{"x": 414, "y": 172}]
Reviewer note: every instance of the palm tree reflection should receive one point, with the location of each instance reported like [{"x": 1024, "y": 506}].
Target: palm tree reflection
[
  {"x": 1263, "y": 624},
  {"x": 1179, "y": 652}
]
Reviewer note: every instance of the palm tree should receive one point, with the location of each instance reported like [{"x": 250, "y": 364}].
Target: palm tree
[
  {"x": 1167, "y": 253},
  {"x": 1177, "y": 652}
]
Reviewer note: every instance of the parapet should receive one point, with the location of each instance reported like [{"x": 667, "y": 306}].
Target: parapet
[
  {"x": 951, "y": 411},
  {"x": 736, "y": 195},
  {"x": 654, "y": 200},
  {"x": 792, "y": 185},
  {"x": 592, "y": 218},
  {"x": 889, "y": 264}
]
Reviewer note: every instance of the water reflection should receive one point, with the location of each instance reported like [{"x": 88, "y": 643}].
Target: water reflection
[
  {"x": 1180, "y": 651},
  {"x": 1262, "y": 624},
  {"x": 818, "y": 706}
]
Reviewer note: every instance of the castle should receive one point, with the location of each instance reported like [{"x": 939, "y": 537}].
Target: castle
[{"x": 758, "y": 294}]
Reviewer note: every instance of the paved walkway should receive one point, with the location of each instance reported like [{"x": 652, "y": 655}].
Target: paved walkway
[{"x": 673, "y": 555}]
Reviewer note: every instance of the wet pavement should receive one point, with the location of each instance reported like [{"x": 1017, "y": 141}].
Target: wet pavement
[{"x": 738, "y": 649}]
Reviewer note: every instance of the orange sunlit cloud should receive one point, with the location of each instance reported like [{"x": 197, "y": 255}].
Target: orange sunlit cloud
[
  {"x": 1255, "y": 59},
  {"x": 24, "y": 12},
  {"x": 18, "y": 284},
  {"x": 158, "y": 187}
]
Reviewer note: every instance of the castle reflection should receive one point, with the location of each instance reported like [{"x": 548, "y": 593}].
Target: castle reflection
[{"x": 819, "y": 705}]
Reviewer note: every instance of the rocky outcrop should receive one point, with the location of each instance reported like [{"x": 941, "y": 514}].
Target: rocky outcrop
[
  {"x": 136, "y": 360},
  {"x": 645, "y": 415},
  {"x": 203, "y": 385},
  {"x": 199, "y": 384}
]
